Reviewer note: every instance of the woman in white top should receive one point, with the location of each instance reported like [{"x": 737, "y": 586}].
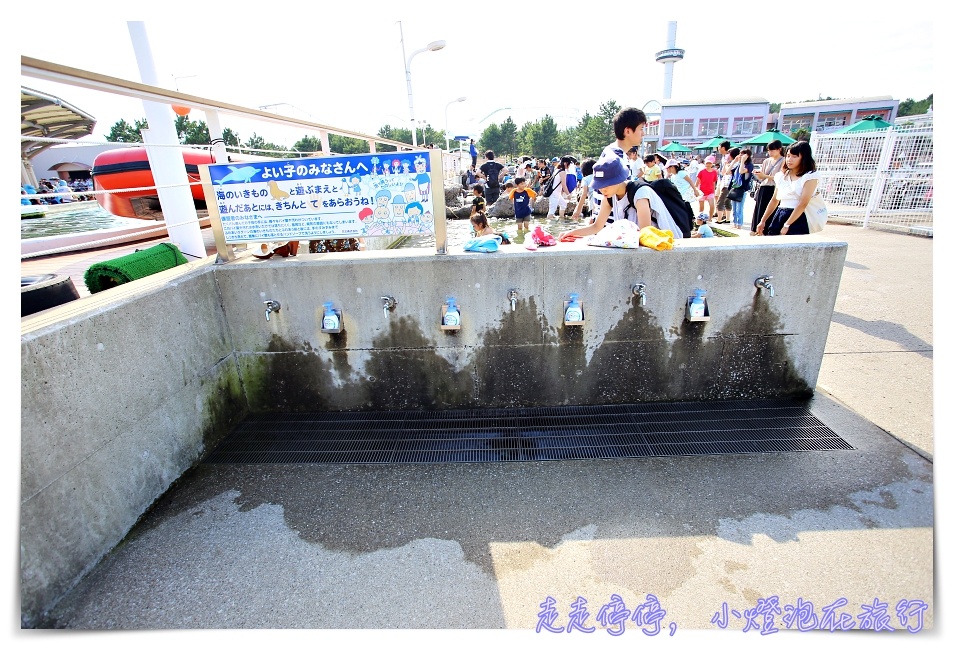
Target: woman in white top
[{"x": 794, "y": 188}]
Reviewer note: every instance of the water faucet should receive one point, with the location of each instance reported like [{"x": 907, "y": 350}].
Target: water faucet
[
  {"x": 512, "y": 295},
  {"x": 765, "y": 282},
  {"x": 270, "y": 306},
  {"x": 639, "y": 289},
  {"x": 389, "y": 303}
]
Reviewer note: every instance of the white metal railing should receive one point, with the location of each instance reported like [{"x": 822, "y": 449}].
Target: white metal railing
[{"x": 880, "y": 179}]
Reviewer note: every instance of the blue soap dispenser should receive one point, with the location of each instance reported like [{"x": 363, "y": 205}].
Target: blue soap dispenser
[
  {"x": 451, "y": 314},
  {"x": 697, "y": 305},
  {"x": 330, "y": 320},
  {"x": 574, "y": 311}
]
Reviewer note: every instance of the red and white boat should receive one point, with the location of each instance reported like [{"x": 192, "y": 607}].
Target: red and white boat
[{"x": 120, "y": 169}]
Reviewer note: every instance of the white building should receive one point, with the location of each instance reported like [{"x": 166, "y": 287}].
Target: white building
[
  {"x": 830, "y": 115},
  {"x": 691, "y": 123}
]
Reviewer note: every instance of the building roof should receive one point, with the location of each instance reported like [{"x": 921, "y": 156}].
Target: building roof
[
  {"x": 45, "y": 116},
  {"x": 714, "y": 102},
  {"x": 839, "y": 102}
]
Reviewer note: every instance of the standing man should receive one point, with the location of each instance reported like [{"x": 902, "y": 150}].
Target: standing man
[
  {"x": 725, "y": 183},
  {"x": 543, "y": 174},
  {"x": 628, "y": 126},
  {"x": 492, "y": 171},
  {"x": 473, "y": 155}
]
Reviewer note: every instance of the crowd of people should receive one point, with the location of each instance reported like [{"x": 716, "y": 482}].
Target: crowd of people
[
  {"x": 63, "y": 190},
  {"x": 719, "y": 183}
]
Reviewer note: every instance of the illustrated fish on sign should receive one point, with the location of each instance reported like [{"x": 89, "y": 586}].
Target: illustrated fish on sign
[{"x": 239, "y": 174}]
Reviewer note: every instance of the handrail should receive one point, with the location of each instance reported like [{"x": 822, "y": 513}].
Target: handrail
[{"x": 56, "y": 72}]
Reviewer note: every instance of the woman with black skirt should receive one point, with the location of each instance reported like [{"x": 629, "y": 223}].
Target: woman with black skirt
[
  {"x": 794, "y": 188},
  {"x": 766, "y": 175}
]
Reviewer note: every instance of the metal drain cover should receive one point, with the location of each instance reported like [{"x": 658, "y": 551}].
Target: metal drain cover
[{"x": 522, "y": 434}]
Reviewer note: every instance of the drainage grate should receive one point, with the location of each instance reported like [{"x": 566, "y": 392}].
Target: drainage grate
[{"x": 521, "y": 434}]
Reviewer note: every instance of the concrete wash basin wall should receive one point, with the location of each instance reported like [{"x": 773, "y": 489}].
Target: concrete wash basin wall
[
  {"x": 753, "y": 345},
  {"x": 125, "y": 390}
]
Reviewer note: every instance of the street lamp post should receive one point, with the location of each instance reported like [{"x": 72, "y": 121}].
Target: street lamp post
[
  {"x": 446, "y": 130},
  {"x": 431, "y": 47}
]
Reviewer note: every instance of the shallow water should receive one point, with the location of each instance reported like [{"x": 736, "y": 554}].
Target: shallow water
[{"x": 86, "y": 216}]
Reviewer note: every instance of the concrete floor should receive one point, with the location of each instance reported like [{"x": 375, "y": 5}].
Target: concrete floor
[{"x": 482, "y": 546}]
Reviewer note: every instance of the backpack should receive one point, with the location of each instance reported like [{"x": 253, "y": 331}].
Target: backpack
[
  {"x": 494, "y": 176},
  {"x": 548, "y": 188},
  {"x": 679, "y": 209}
]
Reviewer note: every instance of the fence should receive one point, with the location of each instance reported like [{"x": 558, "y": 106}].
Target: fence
[{"x": 880, "y": 179}]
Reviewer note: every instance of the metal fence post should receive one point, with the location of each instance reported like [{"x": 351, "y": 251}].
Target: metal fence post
[{"x": 877, "y": 188}]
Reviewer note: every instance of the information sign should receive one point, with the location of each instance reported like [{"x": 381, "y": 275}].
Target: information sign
[{"x": 367, "y": 195}]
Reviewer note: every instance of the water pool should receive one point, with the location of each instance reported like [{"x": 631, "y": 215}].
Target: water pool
[{"x": 85, "y": 216}]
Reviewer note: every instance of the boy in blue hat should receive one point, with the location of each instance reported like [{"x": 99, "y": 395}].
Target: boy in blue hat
[
  {"x": 703, "y": 230},
  {"x": 627, "y": 199}
]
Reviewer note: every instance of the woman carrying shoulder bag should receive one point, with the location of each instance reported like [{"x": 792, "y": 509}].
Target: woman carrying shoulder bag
[
  {"x": 770, "y": 166},
  {"x": 794, "y": 188}
]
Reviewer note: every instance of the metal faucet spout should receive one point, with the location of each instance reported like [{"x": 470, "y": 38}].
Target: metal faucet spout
[
  {"x": 389, "y": 303},
  {"x": 270, "y": 306},
  {"x": 639, "y": 289},
  {"x": 765, "y": 282}
]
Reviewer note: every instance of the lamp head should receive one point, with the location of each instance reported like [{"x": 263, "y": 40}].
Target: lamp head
[
  {"x": 436, "y": 45},
  {"x": 460, "y": 99}
]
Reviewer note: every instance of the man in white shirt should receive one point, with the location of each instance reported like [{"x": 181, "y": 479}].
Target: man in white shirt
[
  {"x": 633, "y": 162},
  {"x": 628, "y": 126}
]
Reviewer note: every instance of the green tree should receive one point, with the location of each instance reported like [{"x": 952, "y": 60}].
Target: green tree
[
  {"x": 492, "y": 139},
  {"x": 590, "y": 135},
  {"x": 545, "y": 140},
  {"x": 911, "y": 107},
  {"x": 802, "y": 134},
  {"x": 525, "y": 138},
  {"x": 774, "y": 108},
  {"x": 606, "y": 113},
  {"x": 231, "y": 137},
  {"x": 308, "y": 145},
  {"x": 122, "y": 131},
  {"x": 343, "y": 144},
  {"x": 508, "y": 137},
  {"x": 258, "y": 142},
  {"x": 255, "y": 142},
  {"x": 192, "y": 132}
]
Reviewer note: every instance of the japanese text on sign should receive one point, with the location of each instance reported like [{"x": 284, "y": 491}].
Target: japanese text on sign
[{"x": 347, "y": 196}]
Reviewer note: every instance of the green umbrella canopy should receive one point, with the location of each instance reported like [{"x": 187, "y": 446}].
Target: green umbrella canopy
[
  {"x": 768, "y": 136},
  {"x": 714, "y": 143},
  {"x": 674, "y": 147},
  {"x": 870, "y": 123}
]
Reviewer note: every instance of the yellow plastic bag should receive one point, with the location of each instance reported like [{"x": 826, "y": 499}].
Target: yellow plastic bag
[{"x": 653, "y": 237}]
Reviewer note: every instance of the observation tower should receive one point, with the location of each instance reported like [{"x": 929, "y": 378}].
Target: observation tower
[{"x": 668, "y": 58}]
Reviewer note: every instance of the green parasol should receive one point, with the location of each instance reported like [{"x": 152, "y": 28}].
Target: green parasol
[
  {"x": 675, "y": 147},
  {"x": 768, "y": 136},
  {"x": 870, "y": 123},
  {"x": 714, "y": 143}
]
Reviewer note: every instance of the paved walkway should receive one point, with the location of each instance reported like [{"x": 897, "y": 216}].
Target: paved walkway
[{"x": 482, "y": 546}]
